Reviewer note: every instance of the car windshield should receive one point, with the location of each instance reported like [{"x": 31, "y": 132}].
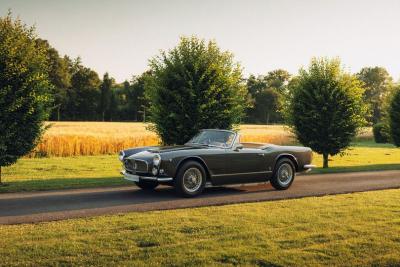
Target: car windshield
[{"x": 213, "y": 138}]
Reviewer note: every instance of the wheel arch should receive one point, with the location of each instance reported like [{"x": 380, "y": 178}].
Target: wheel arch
[
  {"x": 290, "y": 157},
  {"x": 196, "y": 159}
]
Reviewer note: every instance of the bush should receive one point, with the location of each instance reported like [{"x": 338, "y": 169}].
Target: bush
[
  {"x": 192, "y": 87},
  {"x": 325, "y": 107},
  {"x": 394, "y": 118},
  {"x": 24, "y": 90},
  {"x": 381, "y": 133}
]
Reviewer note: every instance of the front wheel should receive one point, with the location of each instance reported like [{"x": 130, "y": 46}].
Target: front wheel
[
  {"x": 284, "y": 174},
  {"x": 147, "y": 185},
  {"x": 190, "y": 180}
]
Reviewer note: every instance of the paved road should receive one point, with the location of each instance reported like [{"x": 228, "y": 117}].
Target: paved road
[{"x": 57, "y": 205}]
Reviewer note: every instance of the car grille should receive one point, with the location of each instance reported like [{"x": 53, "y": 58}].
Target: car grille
[{"x": 134, "y": 166}]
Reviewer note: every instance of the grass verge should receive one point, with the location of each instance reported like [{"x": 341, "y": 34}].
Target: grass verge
[
  {"x": 31, "y": 174},
  {"x": 348, "y": 230}
]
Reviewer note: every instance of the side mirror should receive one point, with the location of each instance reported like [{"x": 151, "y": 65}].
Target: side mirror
[{"x": 238, "y": 147}]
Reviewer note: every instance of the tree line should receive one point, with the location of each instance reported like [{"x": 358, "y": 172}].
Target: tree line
[{"x": 80, "y": 94}]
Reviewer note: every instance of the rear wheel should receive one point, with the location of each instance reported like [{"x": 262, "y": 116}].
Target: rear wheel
[
  {"x": 284, "y": 174},
  {"x": 147, "y": 185},
  {"x": 190, "y": 180}
]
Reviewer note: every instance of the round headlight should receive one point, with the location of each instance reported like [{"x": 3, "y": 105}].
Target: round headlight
[
  {"x": 156, "y": 160},
  {"x": 121, "y": 155}
]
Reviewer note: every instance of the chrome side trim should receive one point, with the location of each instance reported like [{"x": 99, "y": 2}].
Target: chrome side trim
[
  {"x": 136, "y": 178},
  {"x": 240, "y": 173}
]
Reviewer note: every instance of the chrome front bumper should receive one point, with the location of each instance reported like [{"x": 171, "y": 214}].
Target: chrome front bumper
[
  {"x": 308, "y": 167},
  {"x": 137, "y": 178}
]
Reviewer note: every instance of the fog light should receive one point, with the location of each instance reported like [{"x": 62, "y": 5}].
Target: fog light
[{"x": 154, "y": 171}]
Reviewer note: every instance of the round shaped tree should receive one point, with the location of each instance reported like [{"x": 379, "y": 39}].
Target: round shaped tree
[
  {"x": 394, "y": 118},
  {"x": 325, "y": 107},
  {"x": 23, "y": 90},
  {"x": 194, "y": 86}
]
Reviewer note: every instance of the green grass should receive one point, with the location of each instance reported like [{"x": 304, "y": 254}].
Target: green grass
[
  {"x": 89, "y": 171},
  {"x": 354, "y": 229},
  {"x": 362, "y": 156},
  {"x": 31, "y": 174}
]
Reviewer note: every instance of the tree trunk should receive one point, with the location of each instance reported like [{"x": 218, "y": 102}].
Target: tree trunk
[
  {"x": 0, "y": 176},
  {"x": 325, "y": 160}
]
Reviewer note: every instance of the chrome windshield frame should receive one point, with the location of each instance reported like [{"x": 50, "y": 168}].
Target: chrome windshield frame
[{"x": 218, "y": 130}]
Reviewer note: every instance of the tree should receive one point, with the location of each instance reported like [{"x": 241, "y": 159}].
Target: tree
[
  {"x": 377, "y": 83},
  {"x": 266, "y": 93},
  {"x": 278, "y": 79},
  {"x": 59, "y": 76},
  {"x": 24, "y": 90},
  {"x": 105, "y": 96},
  {"x": 84, "y": 94},
  {"x": 325, "y": 107},
  {"x": 394, "y": 117},
  {"x": 193, "y": 86}
]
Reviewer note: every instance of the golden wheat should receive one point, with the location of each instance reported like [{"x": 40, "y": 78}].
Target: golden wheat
[{"x": 95, "y": 138}]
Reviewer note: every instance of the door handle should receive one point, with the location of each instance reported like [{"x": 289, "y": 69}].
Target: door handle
[{"x": 261, "y": 154}]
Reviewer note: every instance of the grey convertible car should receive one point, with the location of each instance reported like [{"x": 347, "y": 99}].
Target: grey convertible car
[{"x": 214, "y": 157}]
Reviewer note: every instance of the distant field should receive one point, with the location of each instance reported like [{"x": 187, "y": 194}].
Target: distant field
[
  {"x": 360, "y": 229},
  {"x": 65, "y": 139}
]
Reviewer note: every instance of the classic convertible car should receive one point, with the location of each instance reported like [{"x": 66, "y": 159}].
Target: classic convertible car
[{"x": 214, "y": 157}]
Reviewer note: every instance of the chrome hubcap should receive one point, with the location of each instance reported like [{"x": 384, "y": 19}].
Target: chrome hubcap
[
  {"x": 285, "y": 174},
  {"x": 192, "y": 179}
]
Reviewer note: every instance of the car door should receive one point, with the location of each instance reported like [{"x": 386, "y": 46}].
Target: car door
[{"x": 244, "y": 165}]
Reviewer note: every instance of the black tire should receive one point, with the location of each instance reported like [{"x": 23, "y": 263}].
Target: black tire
[
  {"x": 147, "y": 185},
  {"x": 282, "y": 168},
  {"x": 182, "y": 188}
]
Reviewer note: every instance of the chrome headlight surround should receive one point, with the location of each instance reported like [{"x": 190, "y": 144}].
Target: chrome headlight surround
[
  {"x": 156, "y": 160},
  {"x": 121, "y": 155},
  {"x": 156, "y": 164}
]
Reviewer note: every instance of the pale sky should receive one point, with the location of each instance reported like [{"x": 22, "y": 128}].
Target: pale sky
[{"x": 119, "y": 36}]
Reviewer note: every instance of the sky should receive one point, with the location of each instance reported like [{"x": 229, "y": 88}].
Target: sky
[{"x": 120, "y": 36}]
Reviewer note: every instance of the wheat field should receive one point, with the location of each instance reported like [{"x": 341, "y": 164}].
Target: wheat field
[{"x": 64, "y": 139}]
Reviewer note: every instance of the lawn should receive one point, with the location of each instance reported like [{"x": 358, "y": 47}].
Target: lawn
[
  {"x": 348, "y": 230},
  {"x": 88, "y": 171}
]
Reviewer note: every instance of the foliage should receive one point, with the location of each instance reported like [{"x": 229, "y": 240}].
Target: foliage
[
  {"x": 59, "y": 76},
  {"x": 24, "y": 90},
  {"x": 267, "y": 93},
  {"x": 193, "y": 86},
  {"x": 106, "y": 97},
  {"x": 84, "y": 94},
  {"x": 325, "y": 107},
  {"x": 394, "y": 117},
  {"x": 381, "y": 132},
  {"x": 377, "y": 83}
]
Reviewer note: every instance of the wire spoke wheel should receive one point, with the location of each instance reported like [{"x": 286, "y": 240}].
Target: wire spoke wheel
[
  {"x": 285, "y": 174},
  {"x": 192, "y": 179}
]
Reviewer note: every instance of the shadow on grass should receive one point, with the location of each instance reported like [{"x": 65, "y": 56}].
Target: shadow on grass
[
  {"x": 59, "y": 183},
  {"x": 370, "y": 167}
]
